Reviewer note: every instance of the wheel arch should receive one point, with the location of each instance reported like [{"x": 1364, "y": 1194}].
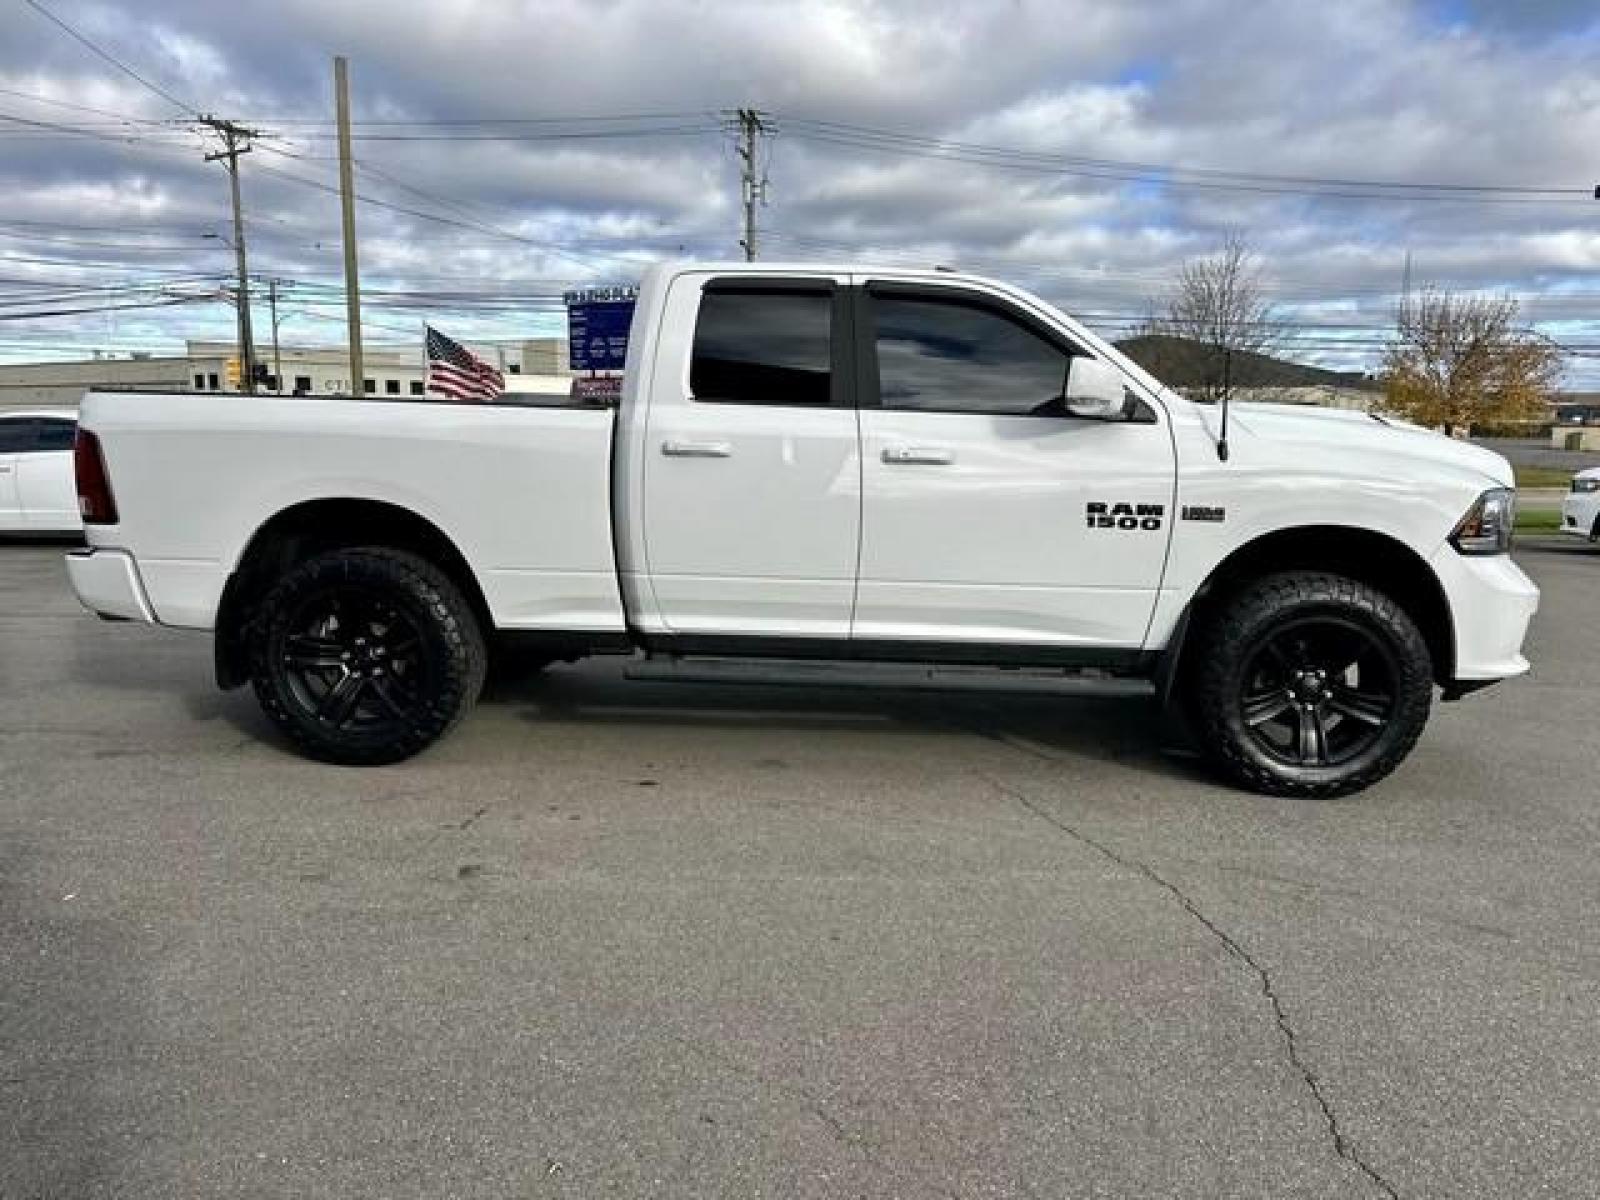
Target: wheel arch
[
  {"x": 314, "y": 527},
  {"x": 1373, "y": 558}
]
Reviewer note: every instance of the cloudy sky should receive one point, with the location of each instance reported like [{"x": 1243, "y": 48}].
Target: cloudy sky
[{"x": 507, "y": 151}]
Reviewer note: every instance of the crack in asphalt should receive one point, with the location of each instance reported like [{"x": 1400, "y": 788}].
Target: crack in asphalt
[
  {"x": 1342, "y": 1145},
  {"x": 468, "y": 822}
]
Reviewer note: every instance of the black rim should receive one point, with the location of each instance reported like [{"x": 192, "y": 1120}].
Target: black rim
[
  {"x": 353, "y": 661},
  {"x": 1319, "y": 692}
]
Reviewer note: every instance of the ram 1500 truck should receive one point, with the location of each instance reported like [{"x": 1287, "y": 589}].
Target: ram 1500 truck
[{"x": 809, "y": 463}]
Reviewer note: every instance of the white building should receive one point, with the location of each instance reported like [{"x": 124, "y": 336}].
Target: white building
[{"x": 533, "y": 365}]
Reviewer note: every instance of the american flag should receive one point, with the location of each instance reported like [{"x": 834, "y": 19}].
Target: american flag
[{"x": 457, "y": 372}]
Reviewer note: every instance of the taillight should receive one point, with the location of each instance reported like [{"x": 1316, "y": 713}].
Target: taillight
[{"x": 94, "y": 486}]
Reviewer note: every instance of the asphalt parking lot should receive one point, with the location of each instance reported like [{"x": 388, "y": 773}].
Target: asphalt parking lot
[{"x": 617, "y": 939}]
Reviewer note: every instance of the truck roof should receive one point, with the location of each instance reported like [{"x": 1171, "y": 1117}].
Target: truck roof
[{"x": 824, "y": 267}]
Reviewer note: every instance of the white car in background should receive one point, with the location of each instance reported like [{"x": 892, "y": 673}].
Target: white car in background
[
  {"x": 37, "y": 492},
  {"x": 1580, "y": 512}
]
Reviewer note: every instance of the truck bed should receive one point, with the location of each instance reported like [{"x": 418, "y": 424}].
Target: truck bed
[{"x": 521, "y": 489}]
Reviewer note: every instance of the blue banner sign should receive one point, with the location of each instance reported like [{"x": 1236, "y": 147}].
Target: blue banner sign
[
  {"x": 597, "y": 326},
  {"x": 597, "y": 334}
]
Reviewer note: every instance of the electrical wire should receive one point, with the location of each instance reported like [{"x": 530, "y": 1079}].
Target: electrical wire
[
  {"x": 108, "y": 57},
  {"x": 118, "y": 118},
  {"x": 870, "y": 134}
]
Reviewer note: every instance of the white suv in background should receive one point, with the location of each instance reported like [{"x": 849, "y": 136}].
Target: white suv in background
[
  {"x": 37, "y": 493},
  {"x": 1580, "y": 512}
]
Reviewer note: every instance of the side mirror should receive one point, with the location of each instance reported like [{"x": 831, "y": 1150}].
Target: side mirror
[{"x": 1096, "y": 391}]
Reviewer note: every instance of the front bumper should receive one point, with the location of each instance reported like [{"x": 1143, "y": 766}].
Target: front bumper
[
  {"x": 107, "y": 583},
  {"x": 1491, "y": 603}
]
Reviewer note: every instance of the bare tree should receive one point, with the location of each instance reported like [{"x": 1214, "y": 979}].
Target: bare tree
[
  {"x": 1461, "y": 361},
  {"x": 1219, "y": 303}
]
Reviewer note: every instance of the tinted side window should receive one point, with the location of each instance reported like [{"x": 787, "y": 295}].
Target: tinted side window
[
  {"x": 56, "y": 435},
  {"x": 957, "y": 356},
  {"x": 754, "y": 347},
  {"x": 16, "y": 434}
]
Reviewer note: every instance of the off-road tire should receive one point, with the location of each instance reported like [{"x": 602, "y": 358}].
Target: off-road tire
[
  {"x": 1231, "y": 637},
  {"x": 449, "y": 653}
]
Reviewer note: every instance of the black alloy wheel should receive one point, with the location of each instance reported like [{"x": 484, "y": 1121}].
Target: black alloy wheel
[
  {"x": 365, "y": 655},
  {"x": 1307, "y": 684},
  {"x": 1319, "y": 692},
  {"x": 353, "y": 661}
]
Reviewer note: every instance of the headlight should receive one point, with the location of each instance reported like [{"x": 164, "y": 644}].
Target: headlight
[
  {"x": 1586, "y": 485},
  {"x": 1486, "y": 529}
]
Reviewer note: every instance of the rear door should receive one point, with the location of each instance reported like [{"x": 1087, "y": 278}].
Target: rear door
[
  {"x": 45, "y": 485},
  {"x": 15, "y": 433},
  {"x": 751, "y": 471},
  {"x": 989, "y": 515}
]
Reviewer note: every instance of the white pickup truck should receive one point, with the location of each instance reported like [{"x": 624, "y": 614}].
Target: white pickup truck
[{"x": 810, "y": 463}]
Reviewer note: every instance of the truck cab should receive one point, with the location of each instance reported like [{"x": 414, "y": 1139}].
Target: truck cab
[{"x": 888, "y": 462}]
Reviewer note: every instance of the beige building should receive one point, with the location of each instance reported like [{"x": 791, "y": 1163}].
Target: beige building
[
  {"x": 1575, "y": 421},
  {"x": 533, "y": 365},
  {"x": 1324, "y": 395}
]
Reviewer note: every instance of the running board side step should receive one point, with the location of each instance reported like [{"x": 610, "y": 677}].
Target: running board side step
[{"x": 779, "y": 672}]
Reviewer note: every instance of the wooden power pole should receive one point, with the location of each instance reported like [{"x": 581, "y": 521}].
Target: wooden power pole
[
  {"x": 347, "y": 203},
  {"x": 236, "y": 141}
]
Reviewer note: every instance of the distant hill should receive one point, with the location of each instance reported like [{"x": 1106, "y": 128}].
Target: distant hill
[{"x": 1181, "y": 363}]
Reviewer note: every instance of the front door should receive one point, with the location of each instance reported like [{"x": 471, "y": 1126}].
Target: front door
[
  {"x": 751, "y": 465},
  {"x": 989, "y": 515}
]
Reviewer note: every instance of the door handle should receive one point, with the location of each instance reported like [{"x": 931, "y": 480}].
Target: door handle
[
  {"x": 5, "y": 470},
  {"x": 929, "y": 456},
  {"x": 677, "y": 449}
]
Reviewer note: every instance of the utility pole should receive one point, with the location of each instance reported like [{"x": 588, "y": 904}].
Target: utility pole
[
  {"x": 1405, "y": 290},
  {"x": 236, "y": 141},
  {"x": 347, "y": 205},
  {"x": 753, "y": 190},
  {"x": 277, "y": 362}
]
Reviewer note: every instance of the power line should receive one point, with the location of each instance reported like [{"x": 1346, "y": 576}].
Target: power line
[
  {"x": 99, "y": 308},
  {"x": 119, "y": 118},
  {"x": 115, "y": 62},
  {"x": 870, "y": 133},
  {"x": 69, "y": 240},
  {"x": 123, "y": 228},
  {"x": 474, "y": 225},
  {"x": 1208, "y": 178},
  {"x": 436, "y": 122},
  {"x": 31, "y": 127},
  {"x": 8, "y": 257},
  {"x": 564, "y": 136}
]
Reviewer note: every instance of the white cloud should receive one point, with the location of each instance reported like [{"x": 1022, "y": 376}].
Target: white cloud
[{"x": 1368, "y": 89}]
